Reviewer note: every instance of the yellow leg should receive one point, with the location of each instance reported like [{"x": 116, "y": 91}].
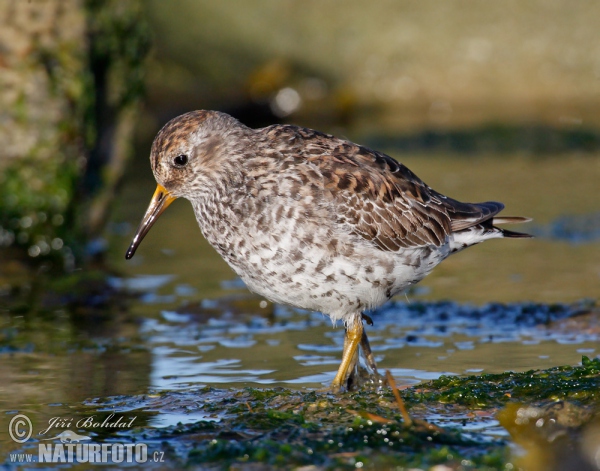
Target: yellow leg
[
  {"x": 351, "y": 374},
  {"x": 353, "y": 338}
]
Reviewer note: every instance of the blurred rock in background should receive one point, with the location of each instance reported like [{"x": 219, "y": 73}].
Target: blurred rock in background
[{"x": 70, "y": 83}]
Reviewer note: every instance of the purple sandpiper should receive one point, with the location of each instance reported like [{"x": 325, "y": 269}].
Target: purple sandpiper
[{"x": 310, "y": 220}]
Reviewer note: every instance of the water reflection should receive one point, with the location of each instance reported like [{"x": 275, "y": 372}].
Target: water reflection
[{"x": 234, "y": 341}]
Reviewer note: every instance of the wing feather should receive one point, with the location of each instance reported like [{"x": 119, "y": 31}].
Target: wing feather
[{"x": 376, "y": 197}]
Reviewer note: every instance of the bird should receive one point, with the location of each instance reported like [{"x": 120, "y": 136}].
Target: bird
[{"x": 310, "y": 220}]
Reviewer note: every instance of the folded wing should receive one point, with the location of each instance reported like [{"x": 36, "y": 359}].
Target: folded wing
[{"x": 384, "y": 202}]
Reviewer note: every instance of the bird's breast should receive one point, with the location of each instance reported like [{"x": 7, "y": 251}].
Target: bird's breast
[{"x": 298, "y": 256}]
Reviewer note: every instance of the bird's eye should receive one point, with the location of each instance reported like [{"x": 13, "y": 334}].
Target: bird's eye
[{"x": 180, "y": 160}]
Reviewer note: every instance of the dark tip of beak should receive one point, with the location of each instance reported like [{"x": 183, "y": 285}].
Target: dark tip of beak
[
  {"x": 130, "y": 251},
  {"x": 160, "y": 201},
  {"x": 140, "y": 233}
]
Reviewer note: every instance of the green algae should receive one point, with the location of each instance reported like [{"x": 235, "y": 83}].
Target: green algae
[
  {"x": 284, "y": 428},
  {"x": 558, "y": 383},
  {"x": 326, "y": 434},
  {"x": 364, "y": 444}
]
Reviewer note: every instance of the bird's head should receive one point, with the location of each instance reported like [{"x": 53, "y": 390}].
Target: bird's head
[{"x": 187, "y": 156}]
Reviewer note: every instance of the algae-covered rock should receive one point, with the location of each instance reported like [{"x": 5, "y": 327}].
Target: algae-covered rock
[{"x": 70, "y": 80}]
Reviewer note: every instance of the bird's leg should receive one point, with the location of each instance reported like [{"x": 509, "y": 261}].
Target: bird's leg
[
  {"x": 369, "y": 357},
  {"x": 352, "y": 376},
  {"x": 354, "y": 333}
]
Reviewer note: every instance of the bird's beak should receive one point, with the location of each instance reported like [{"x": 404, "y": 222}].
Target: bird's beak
[{"x": 160, "y": 201}]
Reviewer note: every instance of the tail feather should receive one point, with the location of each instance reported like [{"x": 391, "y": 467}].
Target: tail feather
[
  {"x": 511, "y": 220},
  {"x": 513, "y": 234},
  {"x": 475, "y": 222}
]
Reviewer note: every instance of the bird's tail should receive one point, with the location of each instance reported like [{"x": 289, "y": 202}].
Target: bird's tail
[
  {"x": 511, "y": 220},
  {"x": 484, "y": 230}
]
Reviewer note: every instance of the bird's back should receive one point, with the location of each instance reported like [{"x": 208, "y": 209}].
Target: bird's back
[{"x": 375, "y": 196}]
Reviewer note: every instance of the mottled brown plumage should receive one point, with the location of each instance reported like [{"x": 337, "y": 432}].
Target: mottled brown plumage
[{"x": 310, "y": 220}]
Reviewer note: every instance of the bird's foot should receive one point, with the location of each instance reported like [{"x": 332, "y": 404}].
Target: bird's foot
[
  {"x": 359, "y": 378},
  {"x": 351, "y": 375}
]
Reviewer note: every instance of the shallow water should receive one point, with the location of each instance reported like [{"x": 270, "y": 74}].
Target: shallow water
[{"x": 194, "y": 324}]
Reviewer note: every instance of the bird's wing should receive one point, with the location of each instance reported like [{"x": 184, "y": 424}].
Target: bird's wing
[{"x": 380, "y": 199}]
